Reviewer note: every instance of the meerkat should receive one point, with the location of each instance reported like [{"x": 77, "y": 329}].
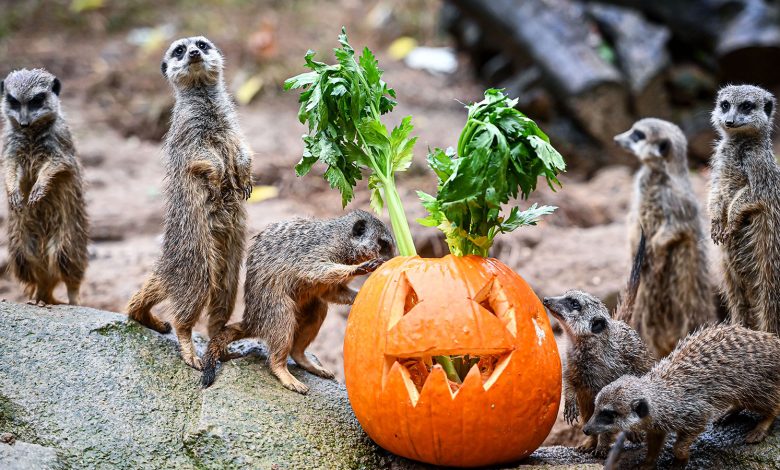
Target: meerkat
[
  {"x": 711, "y": 371},
  {"x": 745, "y": 205},
  {"x": 676, "y": 294},
  {"x": 208, "y": 177},
  {"x": 294, "y": 269},
  {"x": 47, "y": 219},
  {"x": 601, "y": 349}
]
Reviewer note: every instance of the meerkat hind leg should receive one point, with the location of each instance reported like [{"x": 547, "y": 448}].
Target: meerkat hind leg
[
  {"x": 308, "y": 327},
  {"x": 140, "y": 306}
]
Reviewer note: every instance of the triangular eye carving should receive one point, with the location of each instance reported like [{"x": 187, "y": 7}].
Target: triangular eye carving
[
  {"x": 411, "y": 298},
  {"x": 493, "y": 299}
]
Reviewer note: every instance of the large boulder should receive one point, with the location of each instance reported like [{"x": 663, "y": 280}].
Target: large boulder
[{"x": 82, "y": 388}]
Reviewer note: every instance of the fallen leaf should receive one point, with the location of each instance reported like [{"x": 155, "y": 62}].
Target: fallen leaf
[
  {"x": 261, "y": 193},
  {"x": 401, "y": 47}
]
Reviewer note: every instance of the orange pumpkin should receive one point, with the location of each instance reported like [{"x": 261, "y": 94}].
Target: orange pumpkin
[{"x": 413, "y": 308}]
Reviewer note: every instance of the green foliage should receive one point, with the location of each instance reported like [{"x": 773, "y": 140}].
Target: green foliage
[
  {"x": 342, "y": 105},
  {"x": 501, "y": 154}
]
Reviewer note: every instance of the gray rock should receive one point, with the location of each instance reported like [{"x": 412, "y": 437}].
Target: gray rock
[{"x": 81, "y": 388}]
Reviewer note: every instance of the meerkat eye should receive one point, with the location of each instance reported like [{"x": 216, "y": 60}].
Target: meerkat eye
[
  {"x": 178, "y": 52},
  {"x": 725, "y": 106},
  {"x": 37, "y": 101},
  {"x": 746, "y": 107},
  {"x": 574, "y": 304},
  {"x": 13, "y": 102},
  {"x": 637, "y": 135},
  {"x": 202, "y": 46}
]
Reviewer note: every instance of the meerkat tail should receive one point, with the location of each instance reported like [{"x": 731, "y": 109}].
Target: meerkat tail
[
  {"x": 217, "y": 349},
  {"x": 625, "y": 310},
  {"x": 617, "y": 448}
]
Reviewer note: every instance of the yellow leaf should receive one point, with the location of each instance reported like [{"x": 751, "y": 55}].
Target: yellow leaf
[
  {"x": 401, "y": 47},
  {"x": 261, "y": 193},
  {"x": 249, "y": 89},
  {"x": 78, "y": 6}
]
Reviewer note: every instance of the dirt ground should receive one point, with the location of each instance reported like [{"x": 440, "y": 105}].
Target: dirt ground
[{"x": 582, "y": 246}]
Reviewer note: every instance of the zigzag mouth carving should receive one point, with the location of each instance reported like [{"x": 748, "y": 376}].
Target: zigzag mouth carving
[{"x": 421, "y": 373}]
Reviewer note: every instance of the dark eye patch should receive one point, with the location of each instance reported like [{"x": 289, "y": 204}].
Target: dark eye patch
[
  {"x": 637, "y": 135},
  {"x": 574, "y": 304},
  {"x": 725, "y": 106},
  {"x": 178, "y": 52},
  {"x": 746, "y": 107},
  {"x": 202, "y": 45},
  {"x": 37, "y": 101},
  {"x": 13, "y": 102},
  {"x": 606, "y": 417}
]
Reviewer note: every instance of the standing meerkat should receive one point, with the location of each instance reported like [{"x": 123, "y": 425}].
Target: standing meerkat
[
  {"x": 47, "y": 220},
  {"x": 294, "y": 269},
  {"x": 601, "y": 349},
  {"x": 676, "y": 294},
  {"x": 207, "y": 179},
  {"x": 711, "y": 371},
  {"x": 745, "y": 205}
]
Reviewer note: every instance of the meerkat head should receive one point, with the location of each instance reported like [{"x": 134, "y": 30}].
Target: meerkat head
[
  {"x": 657, "y": 143},
  {"x": 192, "y": 61},
  {"x": 30, "y": 98},
  {"x": 580, "y": 314},
  {"x": 369, "y": 237},
  {"x": 743, "y": 110},
  {"x": 622, "y": 405}
]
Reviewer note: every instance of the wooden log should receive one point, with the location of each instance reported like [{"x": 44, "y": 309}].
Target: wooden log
[
  {"x": 559, "y": 37},
  {"x": 744, "y": 35},
  {"x": 640, "y": 47}
]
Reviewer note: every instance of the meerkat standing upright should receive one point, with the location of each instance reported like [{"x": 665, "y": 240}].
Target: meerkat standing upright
[
  {"x": 208, "y": 176},
  {"x": 745, "y": 205},
  {"x": 676, "y": 295},
  {"x": 47, "y": 221}
]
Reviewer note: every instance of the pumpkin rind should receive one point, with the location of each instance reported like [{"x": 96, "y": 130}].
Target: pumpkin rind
[{"x": 502, "y": 420}]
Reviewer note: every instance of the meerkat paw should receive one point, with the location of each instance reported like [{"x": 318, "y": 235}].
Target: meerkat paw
[
  {"x": 295, "y": 385},
  {"x": 755, "y": 436},
  {"x": 193, "y": 361},
  {"x": 36, "y": 195},
  {"x": 717, "y": 232},
  {"x": 588, "y": 447},
  {"x": 570, "y": 413},
  {"x": 16, "y": 201},
  {"x": 322, "y": 372},
  {"x": 369, "y": 266}
]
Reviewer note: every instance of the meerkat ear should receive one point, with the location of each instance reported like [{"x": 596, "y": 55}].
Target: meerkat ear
[
  {"x": 598, "y": 325},
  {"x": 2, "y": 86},
  {"x": 164, "y": 68},
  {"x": 56, "y": 86},
  {"x": 359, "y": 228},
  {"x": 662, "y": 149},
  {"x": 769, "y": 106},
  {"x": 640, "y": 407}
]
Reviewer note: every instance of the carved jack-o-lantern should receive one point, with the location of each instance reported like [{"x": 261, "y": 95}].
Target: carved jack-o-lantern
[{"x": 412, "y": 309}]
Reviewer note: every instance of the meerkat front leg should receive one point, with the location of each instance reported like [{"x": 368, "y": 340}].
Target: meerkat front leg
[
  {"x": 212, "y": 170},
  {"x": 243, "y": 177},
  {"x": 742, "y": 205},
  {"x": 661, "y": 243},
  {"x": 570, "y": 411},
  {"x": 45, "y": 175},
  {"x": 14, "y": 191},
  {"x": 335, "y": 273}
]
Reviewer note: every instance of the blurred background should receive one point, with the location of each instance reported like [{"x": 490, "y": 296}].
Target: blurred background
[{"x": 583, "y": 70}]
